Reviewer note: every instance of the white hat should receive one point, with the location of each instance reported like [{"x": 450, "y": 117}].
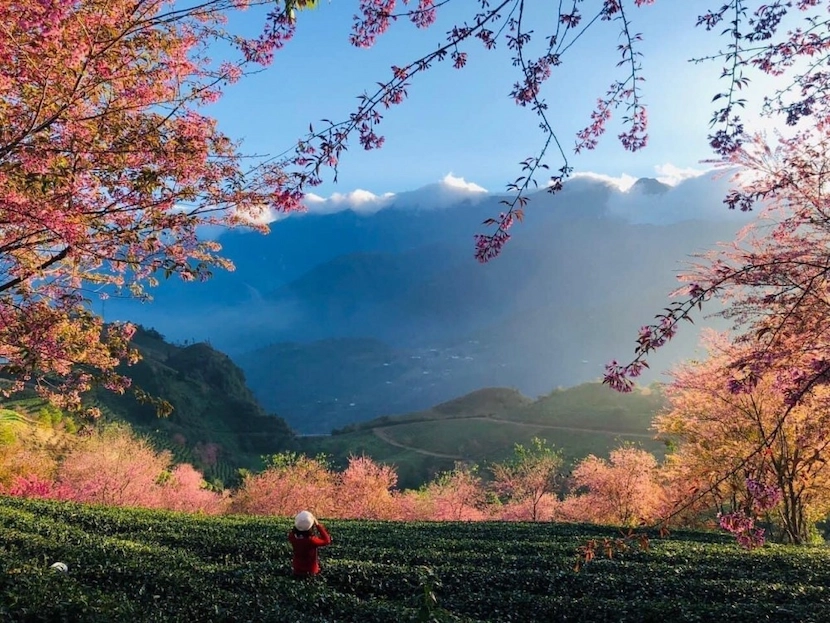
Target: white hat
[{"x": 304, "y": 521}]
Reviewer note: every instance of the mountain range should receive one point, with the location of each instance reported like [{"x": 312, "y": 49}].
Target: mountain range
[{"x": 368, "y": 306}]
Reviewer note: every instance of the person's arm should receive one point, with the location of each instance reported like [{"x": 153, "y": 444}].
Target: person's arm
[{"x": 324, "y": 538}]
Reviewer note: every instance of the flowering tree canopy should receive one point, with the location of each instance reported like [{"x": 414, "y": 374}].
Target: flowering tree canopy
[
  {"x": 735, "y": 435},
  {"x": 621, "y": 491},
  {"x": 106, "y": 170},
  {"x": 108, "y": 164},
  {"x": 530, "y": 476}
]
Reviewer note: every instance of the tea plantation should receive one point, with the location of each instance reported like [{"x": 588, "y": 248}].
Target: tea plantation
[{"x": 137, "y": 565}]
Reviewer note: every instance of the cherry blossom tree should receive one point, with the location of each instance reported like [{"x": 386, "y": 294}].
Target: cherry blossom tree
[
  {"x": 740, "y": 432},
  {"x": 412, "y": 505},
  {"x": 290, "y": 483},
  {"x": 365, "y": 490},
  {"x": 623, "y": 490},
  {"x": 106, "y": 170},
  {"x": 114, "y": 467},
  {"x": 33, "y": 486},
  {"x": 185, "y": 489},
  {"x": 529, "y": 478},
  {"x": 457, "y": 495}
]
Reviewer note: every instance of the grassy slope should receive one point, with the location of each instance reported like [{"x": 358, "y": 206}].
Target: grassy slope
[
  {"x": 211, "y": 404},
  {"x": 484, "y": 426},
  {"x": 138, "y": 565}
]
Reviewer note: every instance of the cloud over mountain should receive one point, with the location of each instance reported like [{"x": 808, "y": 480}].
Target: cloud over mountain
[
  {"x": 447, "y": 191},
  {"x": 692, "y": 195},
  {"x": 360, "y": 201}
]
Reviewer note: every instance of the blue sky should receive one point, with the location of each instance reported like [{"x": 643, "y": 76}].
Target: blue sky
[{"x": 463, "y": 121}]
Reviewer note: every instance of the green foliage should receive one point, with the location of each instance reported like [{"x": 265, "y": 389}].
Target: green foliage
[
  {"x": 287, "y": 460},
  {"x": 538, "y": 452},
  {"x": 483, "y": 426},
  {"x": 141, "y": 565},
  {"x": 427, "y": 599},
  {"x": 211, "y": 406},
  {"x": 49, "y": 414},
  {"x": 596, "y": 406},
  {"x": 27, "y": 410}
]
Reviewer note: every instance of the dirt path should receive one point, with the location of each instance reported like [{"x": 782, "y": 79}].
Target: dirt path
[
  {"x": 568, "y": 428},
  {"x": 383, "y": 435}
]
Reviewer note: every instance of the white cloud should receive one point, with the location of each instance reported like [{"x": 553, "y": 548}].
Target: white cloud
[
  {"x": 360, "y": 201},
  {"x": 449, "y": 190},
  {"x": 621, "y": 183},
  {"x": 459, "y": 183},
  {"x": 672, "y": 175},
  {"x": 665, "y": 173},
  {"x": 692, "y": 197},
  {"x": 692, "y": 193}
]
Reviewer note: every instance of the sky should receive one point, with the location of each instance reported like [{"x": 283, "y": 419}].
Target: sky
[{"x": 462, "y": 123}]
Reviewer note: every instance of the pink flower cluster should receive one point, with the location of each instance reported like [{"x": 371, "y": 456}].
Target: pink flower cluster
[
  {"x": 743, "y": 527},
  {"x": 619, "y": 377},
  {"x": 279, "y": 29},
  {"x": 762, "y": 497},
  {"x": 375, "y": 21},
  {"x": 489, "y": 246},
  {"x": 33, "y": 486}
]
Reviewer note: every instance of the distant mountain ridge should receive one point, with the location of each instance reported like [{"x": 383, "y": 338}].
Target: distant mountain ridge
[{"x": 342, "y": 317}]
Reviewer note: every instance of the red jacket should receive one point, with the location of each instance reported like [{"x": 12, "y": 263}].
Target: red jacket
[{"x": 305, "y": 550}]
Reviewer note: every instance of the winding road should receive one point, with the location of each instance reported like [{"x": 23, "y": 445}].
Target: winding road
[{"x": 381, "y": 433}]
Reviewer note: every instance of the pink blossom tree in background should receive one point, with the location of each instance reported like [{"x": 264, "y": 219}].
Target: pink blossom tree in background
[
  {"x": 528, "y": 481},
  {"x": 413, "y": 505},
  {"x": 33, "y": 486},
  {"x": 115, "y": 468},
  {"x": 623, "y": 490},
  {"x": 290, "y": 482},
  {"x": 457, "y": 495},
  {"x": 365, "y": 490},
  {"x": 185, "y": 489}
]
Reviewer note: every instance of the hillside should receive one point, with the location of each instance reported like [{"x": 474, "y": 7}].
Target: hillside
[
  {"x": 137, "y": 565},
  {"x": 217, "y": 425},
  {"x": 484, "y": 426},
  {"x": 442, "y": 325},
  {"x": 389, "y": 312},
  {"x": 216, "y": 422}
]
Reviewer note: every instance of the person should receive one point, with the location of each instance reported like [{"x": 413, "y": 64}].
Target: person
[{"x": 305, "y": 543}]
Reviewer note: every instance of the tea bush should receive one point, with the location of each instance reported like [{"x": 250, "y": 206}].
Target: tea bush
[{"x": 144, "y": 565}]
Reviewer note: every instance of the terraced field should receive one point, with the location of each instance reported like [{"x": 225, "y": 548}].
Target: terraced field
[
  {"x": 138, "y": 565},
  {"x": 483, "y": 427}
]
